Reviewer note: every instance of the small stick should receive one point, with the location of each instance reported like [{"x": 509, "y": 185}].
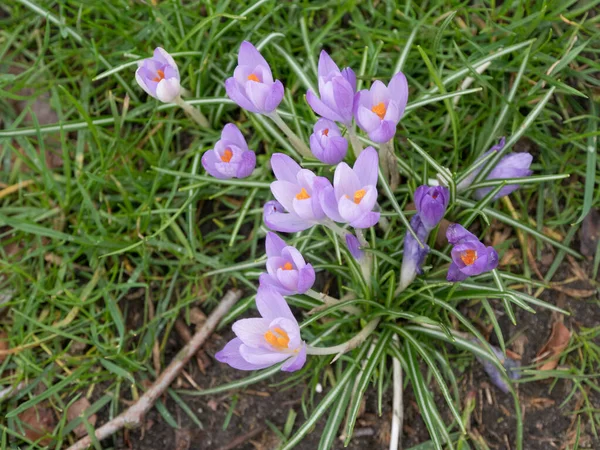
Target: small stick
[{"x": 133, "y": 416}]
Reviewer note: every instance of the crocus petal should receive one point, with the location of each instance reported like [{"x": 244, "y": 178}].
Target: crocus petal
[
  {"x": 306, "y": 278},
  {"x": 262, "y": 356},
  {"x": 250, "y": 56},
  {"x": 454, "y": 273},
  {"x": 168, "y": 89},
  {"x": 354, "y": 247},
  {"x": 246, "y": 165},
  {"x": 232, "y": 133},
  {"x": 161, "y": 55},
  {"x": 384, "y": 132},
  {"x": 350, "y": 77},
  {"x": 345, "y": 181},
  {"x": 492, "y": 259},
  {"x": 274, "y": 98},
  {"x": 321, "y": 109},
  {"x": 398, "y": 89},
  {"x": 267, "y": 281},
  {"x": 274, "y": 245},
  {"x": 343, "y": 95},
  {"x": 251, "y": 331},
  {"x": 366, "y": 221},
  {"x": 272, "y": 305},
  {"x": 210, "y": 160},
  {"x": 326, "y": 65},
  {"x": 141, "y": 81},
  {"x": 285, "y": 193},
  {"x": 234, "y": 92},
  {"x": 367, "y": 167},
  {"x": 288, "y": 280},
  {"x": 296, "y": 362},
  {"x": 284, "y": 167},
  {"x": 456, "y": 232},
  {"x": 329, "y": 204},
  {"x": 258, "y": 93},
  {"x": 286, "y": 222},
  {"x": 231, "y": 355},
  {"x": 366, "y": 119}
]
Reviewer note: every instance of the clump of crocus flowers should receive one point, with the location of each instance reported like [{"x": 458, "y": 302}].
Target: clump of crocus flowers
[{"x": 346, "y": 203}]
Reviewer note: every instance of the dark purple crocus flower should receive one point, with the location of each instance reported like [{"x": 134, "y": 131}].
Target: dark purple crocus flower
[
  {"x": 431, "y": 204},
  {"x": 512, "y": 165},
  {"x": 354, "y": 193},
  {"x": 354, "y": 247},
  {"x": 336, "y": 88},
  {"x": 268, "y": 340},
  {"x": 287, "y": 272},
  {"x": 469, "y": 256},
  {"x": 327, "y": 143},
  {"x": 378, "y": 110},
  {"x": 159, "y": 76},
  {"x": 230, "y": 158},
  {"x": 414, "y": 254},
  {"x": 252, "y": 86}
]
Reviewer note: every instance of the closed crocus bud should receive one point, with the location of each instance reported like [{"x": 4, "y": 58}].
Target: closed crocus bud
[
  {"x": 268, "y": 340},
  {"x": 230, "y": 158},
  {"x": 252, "y": 86},
  {"x": 287, "y": 272},
  {"x": 353, "y": 245},
  {"x": 327, "y": 143},
  {"x": 159, "y": 76},
  {"x": 431, "y": 204},
  {"x": 379, "y": 109},
  {"x": 336, "y": 89},
  {"x": 354, "y": 193},
  {"x": 414, "y": 255},
  {"x": 469, "y": 256}
]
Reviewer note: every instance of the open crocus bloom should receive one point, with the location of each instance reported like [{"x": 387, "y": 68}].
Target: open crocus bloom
[
  {"x": 431, "y": 204},
  {"x": 287, "y": 272},
  {"x": 379, "y": 109},
  {"x": 252, "y": 86},
  {"x": 230, "y": 158},
  {"x": 414, "y": 255},
  {"x": 271, "y": 339},
  {"x": 354, "y": 193},
  {"x": 469, "y": 255},
  {"x": 159, "y": 76},
  {"x": 296, "y": 189},
  {"x": 327, "y": 143},
  {"x": 336, "y": 89}
]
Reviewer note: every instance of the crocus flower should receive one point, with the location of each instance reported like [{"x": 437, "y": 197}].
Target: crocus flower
[
  {"x": 296, "y": 190},
  {"x": 252, "y": 86},
  {"x": 159, "y": 76},
  {"x": 469, "y": 255},
  {"x": 354, "y": 247},
  {"x": 354, "y": 193},
  {"x": 336, "y": 88},
  {"x": 414, "y": 255},
  {"x": 260, "y": 343},
  {"x": 287, "y": 272},
  {"x": 327, "y": 143},
  {"x": 230, "y": 158},
  {"x": 379, "y": 109},
  {"x": 431, "y": 204},
  {"x": 512, "y": 165},
  {"x": 511, "y": 365}
]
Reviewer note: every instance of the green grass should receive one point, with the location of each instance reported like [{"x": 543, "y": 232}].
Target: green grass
[{"x": 130, "y": 210}]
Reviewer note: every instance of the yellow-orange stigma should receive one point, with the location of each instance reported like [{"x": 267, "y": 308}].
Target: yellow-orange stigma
[
  {"x": 358, "y": 195},
  {"x": 468, "y": 257},
  {"x": 379, "y": 109},
  {"x": 227, "y": 155},
  {"x": 302, "y": 195},
  {"x": 287, "y": 266},
  {"x": 326, "y": 132},
  {"x": 278, "y": 338},
  {"x": 161, "y": 76},
  {"x": 253, "y": 77}
]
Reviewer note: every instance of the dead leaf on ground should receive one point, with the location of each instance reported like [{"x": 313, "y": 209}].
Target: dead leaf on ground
[
  {"x": 590, "y": 233},
  {"x": 3, "y": 345},
  {"x": 76, "y": 410},
  {"x": 183, "y": 439},
  {"x": 37, "y": 422},
  {"x": 558, "y": 341}
]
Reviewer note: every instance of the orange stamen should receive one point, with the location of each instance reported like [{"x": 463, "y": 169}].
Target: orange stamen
[
  {"x": 358, "y": 195},
  {"x": 253, "y": 77},
  {"x": 227, "y": 155},
  {"x": 379, "y": 109},
  {"x": 278, "y": 338},
  {"x": 302, "y": 195},
  {"x": 287, "y": 266},
  {"x": 468, "y": 257},
  {"x": 326, "y": 131},
  {"x": 161, "y": 76}
]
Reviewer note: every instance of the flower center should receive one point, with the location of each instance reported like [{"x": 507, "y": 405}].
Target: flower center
[
  {"x": 302, "y": 195},
  {"x": 161, "y": 76},
  {"x": 326, "y": 132},
  {"x": 287, "y": 266},
  {"x": 468, "y": 257},
  {"x": 358, "y": 195},
  {"x": 227, "y": 155},
  {"x": 253, "y": 77},
  {"x": 278, "y": 338},
  {"x": 435, "y": 195},
  {"x": 379, "y": 109}
]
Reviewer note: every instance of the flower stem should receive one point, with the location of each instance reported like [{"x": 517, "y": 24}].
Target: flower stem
[
  {"x": 336, "y": 228},
  {"x": 194, "y": 113},
  {"x": 330, "y": 301},
  {"x": 293, "y": 137},
  {"x": 387, "y": 162},
  {"x": 355, "y": 141},
  {"x": 366, "y": 264},
  {"x": 348, "y": 345}
]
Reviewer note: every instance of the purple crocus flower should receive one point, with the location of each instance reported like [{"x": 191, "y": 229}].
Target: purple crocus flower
[
  {"x": 431, "y": 204},
  {"x": 327, "y": 143},
  {"x": 414, "y": 255},
  {"x": 354, "y": 193},
  {"x": 159, "y": 76},
  {"x": 511, "y": 365},
  {"x": 469, "y": 255},
  {"x": 512, "y": 165},
  {"x": 336, "y": 88},
  {"x": 296, "y": 190},
  {"x": 379, "y": 109},
  {"x": 287, "y": 272},
  {"x": 230, "y": 158},
  {"x": 354, "y": 247},
  {"x": 260, "y": 343},
  {"x": 252, "y": 86}
]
